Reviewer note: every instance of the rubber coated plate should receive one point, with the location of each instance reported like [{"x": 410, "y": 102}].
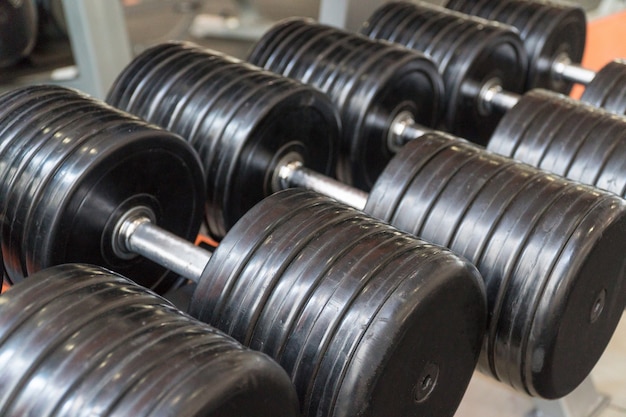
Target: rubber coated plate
[
  {"x": 511, "y": 217},
  {"x": 593, "y": 153},
  {"x": 612, "y": 176},
  {"x": 77, "y": 178},
  {"x": 562, "y": 30},
  {"x": 242, "y": 122},
  {"x": 607, "y": 88},
  {"x": 391, "y": 186},
  {"x": 578, "y": 141},
  {"x": 370, "y": 83},
  {"x": 509, "y": 137},
  {"x": 324, "y": 303},
  {"x": 547, "y": 29},
  {"x": 102, "y": 348},
  {"x": 473, "y": 54}
]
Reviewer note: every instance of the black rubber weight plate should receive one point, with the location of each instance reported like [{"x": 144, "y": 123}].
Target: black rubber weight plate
[
  {"x": 103, "y": 347},
  {"x": 607, "y": 89},
  {"x": 516, "y": 223},
  {"x": 530, "y": 126},
  {"x": 370, "y": 83},
  {"x": 349, "y": 307},
  {"x": 474, "y": 53},
  {"x": 547, "y": 29},
  {"x": 79, "y": 178},
  {"x": 561, "y": 30},
  {"x": 241, "y": 120},
  {"x": 574, "y": 140}
]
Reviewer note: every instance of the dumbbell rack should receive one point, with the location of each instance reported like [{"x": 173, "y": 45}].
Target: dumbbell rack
[
  {"x": 578, "y": 404},
  {"x": 100, "y": 53}
]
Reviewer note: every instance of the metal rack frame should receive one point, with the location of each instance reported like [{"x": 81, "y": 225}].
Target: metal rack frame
[{"x": 100, "y": 45}]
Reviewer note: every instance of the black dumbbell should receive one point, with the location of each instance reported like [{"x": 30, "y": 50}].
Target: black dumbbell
[
  {"x": 392, "y": 82},
  {"x": 80, "y": 340},
  {"x": 554, "y": 36},
  {"x": 18, "y": 30},
  {"x": 522, "y": 134},
  {"x": 416, "y": 26},
  {"x": 71, "y": 171},
  {"x": 521, "y": 226},
  {"x": 518, "y": 121},
  {"x": 483, "y": 63},
  {"x": 379, "y": 313}
]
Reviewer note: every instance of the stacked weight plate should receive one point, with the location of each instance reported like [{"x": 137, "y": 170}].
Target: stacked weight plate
[
  {"x": 77, "y": 340},
  {"x": 365, "y": 319},
  {"x": 607, "y": 89},
  {"x": 370, "y": 82},
  {"x": 549, "y": 30},
  {"x": 543, "y": 245},
  {"x": 470, "y": 53},
  {"x": 72, "y": 166},
  {"x": 559, "y": 135},
  {"x": 554, "y": 36},
  {"x": 242, "y": 114}
]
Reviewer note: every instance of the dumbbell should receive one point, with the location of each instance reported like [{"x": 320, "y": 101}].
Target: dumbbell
[
  {"x": 18, "y": 30},
  {"x": 80, "y": 340},
  {"x": 523, "y": 133},
  {"x": 355, "y": 311},
  {"x": 404, "y": 82},
  {"x": 554, "y": 36},
  {"x": 456, "y": 40},
  {"x": 483, "y": 63},
  {"x": 534, "y": 137},
  {"x": 522, "y": 227}
]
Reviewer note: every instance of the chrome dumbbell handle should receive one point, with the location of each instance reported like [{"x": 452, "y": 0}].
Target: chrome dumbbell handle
[{"x": 136, "y": 234}]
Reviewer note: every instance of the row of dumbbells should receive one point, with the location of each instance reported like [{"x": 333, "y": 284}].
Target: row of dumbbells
[
  {"x": 90, "y": 184},
  {"x": 525, "y": 45}
]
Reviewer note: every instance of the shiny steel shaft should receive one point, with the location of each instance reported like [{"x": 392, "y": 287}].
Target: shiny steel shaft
[
  {"x": 564, "y": 69},
  {"x": 138, "y": 235},
  {"x": 294, "y": 174}
]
